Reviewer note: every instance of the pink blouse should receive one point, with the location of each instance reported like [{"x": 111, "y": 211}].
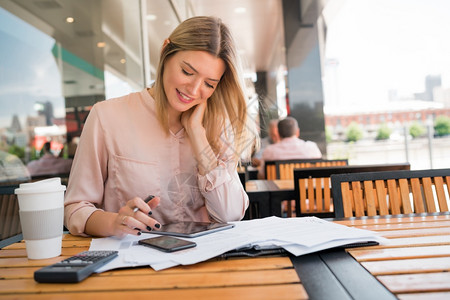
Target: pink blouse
[{"x": 124, "y": 153}]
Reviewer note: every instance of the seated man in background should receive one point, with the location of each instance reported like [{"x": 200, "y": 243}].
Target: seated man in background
[
  {"x": 272, "y": 138},
  {"x": 290, "y": 145},
  {"x": 49, "y": 164}
]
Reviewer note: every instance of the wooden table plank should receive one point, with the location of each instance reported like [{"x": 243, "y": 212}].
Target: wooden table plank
[
  {"x": 415, "y": 232},
  {"x": 162, "y": 281},
  {"x": 262, "y": 185},
  {"x": 17, "y": 273},
  {"x": 392, "y": 220},
  {"x": 413, "y": 283},
  {"x": 261, "y": 263},
  {"x": 230, "y": 265},
  {"x": 20, "y": 262},
  {"x": 415, "y": 241},
  {"x": 400, "y": 253},
  {"x": 68, "y": 240},
  {"x": 415, "y": 265},
  {"x": 23, "y": 253},
  {"x": 65, "y": 244},
  {"x": 285, "y": 184},
  {"x": 269, "y": 292},
  {"x": 425, "y": 296},
  {"x": 400, "y": 226}
]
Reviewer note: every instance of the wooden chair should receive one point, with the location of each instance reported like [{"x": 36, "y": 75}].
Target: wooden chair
[
  {"x": 10, "y": 229},
  {"x": 284, "y": 169},
  {"x": 391, "y": 193},
  {"x": 312, "y": 186}
]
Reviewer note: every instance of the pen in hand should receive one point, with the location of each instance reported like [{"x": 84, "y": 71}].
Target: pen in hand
[{"x": 150, "y": 197}]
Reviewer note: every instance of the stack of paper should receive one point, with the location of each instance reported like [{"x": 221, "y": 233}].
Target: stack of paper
[{"x": 299, "y": 236}]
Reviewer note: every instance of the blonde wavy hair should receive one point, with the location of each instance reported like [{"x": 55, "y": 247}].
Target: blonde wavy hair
[{"x": 227, "y": 106}]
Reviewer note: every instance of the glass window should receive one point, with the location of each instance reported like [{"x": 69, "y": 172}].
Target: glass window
[
  {"x": 58, "y": 58},
  {"x": 161, "y": 21}
]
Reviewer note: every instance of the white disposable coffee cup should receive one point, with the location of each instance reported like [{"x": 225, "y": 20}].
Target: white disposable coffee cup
[{"x": 41, "y": 208}]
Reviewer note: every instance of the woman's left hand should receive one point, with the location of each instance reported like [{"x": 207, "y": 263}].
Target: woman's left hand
[
  {"x": 193, "y": 118},
  {"x": 192, "y": 121}
]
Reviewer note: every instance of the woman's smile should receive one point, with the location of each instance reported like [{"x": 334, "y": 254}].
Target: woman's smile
[{"x": 183, "y": 97}]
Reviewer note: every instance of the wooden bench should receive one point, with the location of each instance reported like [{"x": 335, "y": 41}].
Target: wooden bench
[
  {"x": 391, "y": 192},
  {"x": 313, "y": 186},
  {"x": 284, "y": 169}
]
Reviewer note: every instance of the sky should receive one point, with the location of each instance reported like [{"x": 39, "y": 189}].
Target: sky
[
  {"x": 384, "y": 45},
  {"x": 28, "y": 70}
]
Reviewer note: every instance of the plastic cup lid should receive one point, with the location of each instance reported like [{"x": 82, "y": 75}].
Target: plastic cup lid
[{"x": 42, "y": 186}]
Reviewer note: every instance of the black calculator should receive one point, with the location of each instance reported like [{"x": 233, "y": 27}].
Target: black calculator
[{"x": 75, "y": 268}]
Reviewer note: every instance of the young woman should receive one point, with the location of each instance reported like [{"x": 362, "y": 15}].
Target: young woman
[{"x": 179, "y": 140}]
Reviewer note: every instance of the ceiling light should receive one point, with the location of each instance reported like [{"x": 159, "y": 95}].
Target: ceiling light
[
  {"x": 123, "y": 60},
  {"x": 101, "y": 44},
  {"x": 151, "y": 17},
  {"x": 240, "y": 10},
  {"x": 70, "y": 20}
]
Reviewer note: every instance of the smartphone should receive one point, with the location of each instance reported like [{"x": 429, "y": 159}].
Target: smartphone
[{"x": 167, "y": 243}]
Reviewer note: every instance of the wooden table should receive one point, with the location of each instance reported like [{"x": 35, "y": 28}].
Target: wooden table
[
  {"x": 414, "y": 266},
  {"x": 265, "y": 197},
  {"x": 258, "y": 278}
]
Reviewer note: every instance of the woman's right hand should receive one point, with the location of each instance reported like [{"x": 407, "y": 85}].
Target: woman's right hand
[{"x": 129, "y": 221}]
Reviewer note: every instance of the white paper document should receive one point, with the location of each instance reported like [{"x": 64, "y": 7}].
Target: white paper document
[{"x": 298, "y": 236}]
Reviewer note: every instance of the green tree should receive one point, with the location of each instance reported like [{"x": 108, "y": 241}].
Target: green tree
[
  {"x": 17, "y": 151},
  {"x": 384, "y": 132},
  {"x": 354, "y": 132},
  {"x": 328, "y": 135},
  {"x": 416, "y": 130},
  {"x": 442, "y": 125}
]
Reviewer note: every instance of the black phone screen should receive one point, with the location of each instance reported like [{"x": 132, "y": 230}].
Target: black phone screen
[{"x": 167, "y": 243}]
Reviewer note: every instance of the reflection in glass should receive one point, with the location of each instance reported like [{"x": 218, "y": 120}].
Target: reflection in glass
[{"x": 53, "y": 71}]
